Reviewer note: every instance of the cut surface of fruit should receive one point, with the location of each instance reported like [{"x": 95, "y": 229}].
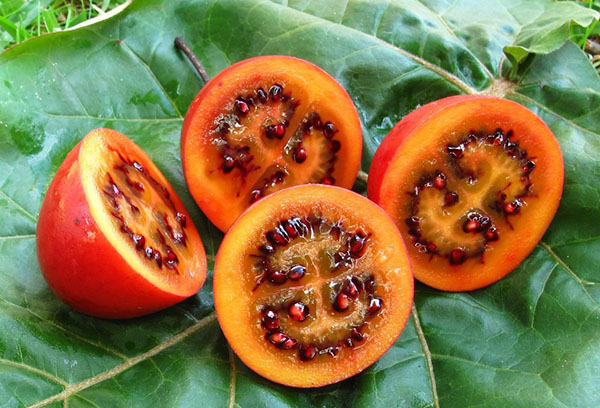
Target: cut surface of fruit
[
  {"x": 264, "y": 124},
  {"x": 473, "y": 183},
  {"x": 114, "y": 239},
  {"x": 312, "y": 285}
]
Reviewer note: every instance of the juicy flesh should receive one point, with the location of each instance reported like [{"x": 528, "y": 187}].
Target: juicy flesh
[
  {"x": 324, "y": 251},
  {"x": 487, "y": 175},
  {"x": 144, "y": 213},
  {"x": 263, "y": 144}
]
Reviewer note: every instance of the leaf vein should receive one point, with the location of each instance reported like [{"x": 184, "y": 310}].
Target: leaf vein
[
  {"x": 18, "y": 206},
  {"x": 34, "y": 370},
  {"x": 427, "y": 354},
  {"x": 233, "y": 378}
]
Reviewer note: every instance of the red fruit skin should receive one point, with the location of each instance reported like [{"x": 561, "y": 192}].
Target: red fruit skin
[
  {"x": 403, "y": 129},
  {"x": 78, "y": 262}
]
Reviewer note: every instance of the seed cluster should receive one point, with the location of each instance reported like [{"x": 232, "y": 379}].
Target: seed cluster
[
  {"x": 351, "y": 288},
  {"x": 130, "y": 170},
  {"x": 475, "y": 221}
]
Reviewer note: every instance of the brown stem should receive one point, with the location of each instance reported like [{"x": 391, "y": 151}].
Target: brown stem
[{"x": 181, "y": 44}]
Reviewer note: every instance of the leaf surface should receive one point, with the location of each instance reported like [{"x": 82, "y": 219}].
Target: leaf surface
[{"x": 531, "y": 340}]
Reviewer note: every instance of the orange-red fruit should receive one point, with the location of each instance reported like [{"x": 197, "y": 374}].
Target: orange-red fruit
[
  {"x": 472, "y": 182},
  {"x": 264, "y": 124},
  {"x": 293, "y": 332},
  {"x": 113, "y": 238}
]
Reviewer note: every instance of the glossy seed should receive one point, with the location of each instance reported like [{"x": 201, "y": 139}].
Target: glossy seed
[
  {"x": 370, "y": 284},
  {"x": 297, "y": 272},
  {"x": 356, "y": 334},
  {"x": 491, "y": 234},
  {"x": 307, "y": 353},
  {"x": 276, "y": 92},
  {"x": 353, "y": 288},
  {"x": 138, "y": 166},
  {"x": 511, "y": 208},
  {"x": 242, "y": 106},
  {"x": 457, "y": 256},
  {"x": 298, "y": 311},
  {"x": 528, "y": 167},
  {"x": 158, "y": 259},
  {"x": 149, "y": 252},
  {"x": 456, "y": 151},
  {"x": 277, "y": 337},
  {"x": 267, "y": 249},
  {"x": 431, "y": 247},
  {"x": 341, "y": 302},
  {"x": 270, "y": 320},
  {"x": 277, "y": 277},
  {"x": 299, "y": 155},
  {"x": 261, "y": 95},
  {"x": 328, "y": 130},
  {"x": 439, "y": 181},
  {"x": 356, "y": 245},
  {"x": 288, "y": 344},
  {"x": 170, "y": 259},
  {"x": 277, "y": 238},
  {"x": 255, "y": 195},
  {"x": 228, "y": 163},
  {"x": 450, "y": 198},
  {"x": 289, "y": 229},
  {"x": 471, "y": 226},
  {"x": 139, "y": 241},
  {"x": 375, "y": 304},
  {"x": 181, "y": 219}
]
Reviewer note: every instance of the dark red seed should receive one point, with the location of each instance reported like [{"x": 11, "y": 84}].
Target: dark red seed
[
  {"x": 242, "y": 106},
  {"x": 288, "y": 344},
  {"x": 138, "y": 186},
  {"x": 528, "y": 167},
  {"x": 290, "y": 230},
  {"x": 431, "y": 247},
  {"x": 297, "y": 272},
  {"x": 298, "y": 311},
  {"x": 278, "y": 177},
  {"x": 356, "y": 245},
  {"x": 158, "y": 259},
  {"x": 267, "y": 249},
  {"x": 138, "y": 166},
  {"x": 328, "y": 180},
  {"x": 277, "y": 337},
  {"x": 276, "y": 92},
  {"x": 491, "y": 234},
  {"x": 277, "y": 277},
  {"x": 171, "y": 260},
  {"x": 149, "y": 252},
  {"x": 139, "y": 241},
  {"x": 334, "y": 146},
  {"x": 307, "y": 353},
  {"x": 255, "y": 195},
  {"x": 370, "y": 284},
  {"x": 125, "y": 229},
  {"x": 277, "y": 238},
  {"x": 471, "y": 226},
  {"x": 412, "y": 221},
  {"x": 353, "y": 288},
  {"x": 456, "y": 151},
  {"x": 228, "y": 163},
  {"x": 300, "y": 155},
  {"x": 439, "y": 181},
  {"x": 181, "y": 219},
  {"x": 328, "y": 130},
  {"x": 450, "y": 198},
  {"x": 270, "y": 319},
  {"x": 341, "y": 302},
  {"x": 261, "y": 95},
  {"x": 457, "y": 256},
  {"x": 279, "y": 130},
  {"x": 114, "y": 190},
  {"x": 375, "y": 304},
  {"x": 332, "y": 351},
  {"x": 356, "y": 334},
  {"x": 511, "y": 207}
]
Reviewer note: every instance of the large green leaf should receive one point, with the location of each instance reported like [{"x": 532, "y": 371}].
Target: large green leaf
[{"x": 531, "y": 340}]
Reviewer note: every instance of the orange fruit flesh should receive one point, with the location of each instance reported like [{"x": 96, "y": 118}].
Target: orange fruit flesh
[
  {"x": 138, "y": 211},
  {"x": 242, "y": 292},
  {"x": 306, "y": 90},
  {"x": 423, "y": 151}
]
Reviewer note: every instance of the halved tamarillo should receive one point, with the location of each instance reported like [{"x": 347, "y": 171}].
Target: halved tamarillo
[
  {"x": 264, "y": 124},
  {"x": 312, "y": 285},
  {"x": 473, "y": 183},
  {"x": 113, "y": 238}
]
